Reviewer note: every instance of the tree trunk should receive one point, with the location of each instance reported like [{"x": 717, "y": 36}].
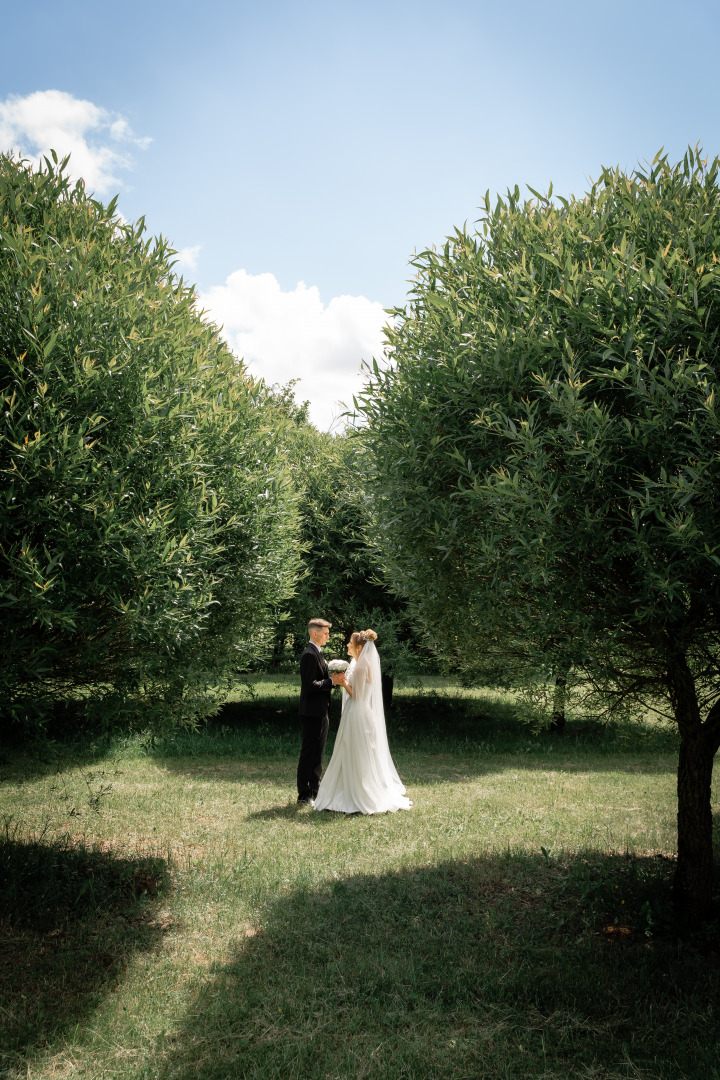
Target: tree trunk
[
  {"x": 692, "y": 887},
  {"x": 387, "y": 690},
  {"x": 557, "y": 722}
]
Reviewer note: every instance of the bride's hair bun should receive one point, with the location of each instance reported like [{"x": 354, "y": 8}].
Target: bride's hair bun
[{"x": 370, "y": 635}]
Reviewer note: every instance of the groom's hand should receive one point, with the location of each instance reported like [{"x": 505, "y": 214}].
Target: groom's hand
[{"x": 337, "y": 679}]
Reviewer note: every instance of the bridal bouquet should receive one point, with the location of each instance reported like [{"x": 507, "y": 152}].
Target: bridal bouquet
[{"x": 336, "y": 666}]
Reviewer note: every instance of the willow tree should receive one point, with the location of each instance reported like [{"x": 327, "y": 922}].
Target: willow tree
[
  {"x": 546, "y": 448},
  {"x": 147, "y": 530}
]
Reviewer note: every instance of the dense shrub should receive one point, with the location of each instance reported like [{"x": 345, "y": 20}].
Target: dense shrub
[{"x": 147, "y": 528}]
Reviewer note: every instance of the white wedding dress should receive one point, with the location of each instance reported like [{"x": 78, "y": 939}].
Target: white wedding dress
[{"x": 361, "y": 777}]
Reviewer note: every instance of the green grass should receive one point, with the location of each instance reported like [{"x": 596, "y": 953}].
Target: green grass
[{"x": 179, "y": 916}]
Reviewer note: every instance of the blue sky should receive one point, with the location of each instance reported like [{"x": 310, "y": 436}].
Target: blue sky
[{"x": 322, "y": 143}]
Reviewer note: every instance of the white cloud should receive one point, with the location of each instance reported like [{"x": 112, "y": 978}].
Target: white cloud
[
  {"x": 293, "y": 335},
  {"x": 187, "y": 258},
  {"x": 97, "y": 140}
]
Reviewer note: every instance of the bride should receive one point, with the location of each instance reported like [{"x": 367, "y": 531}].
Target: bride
[{"x": 361, "y": 776}]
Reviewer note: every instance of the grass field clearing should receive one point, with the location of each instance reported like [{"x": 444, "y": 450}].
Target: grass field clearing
[{"x": 179, "y": 916}]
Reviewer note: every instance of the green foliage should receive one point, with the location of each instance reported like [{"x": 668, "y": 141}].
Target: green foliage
[
  {"x": 546, "y": 438},
  {"x": 546, "y": 448},
  {"x": 146, "y": 523},
  {"x": 342, "y": 579}
]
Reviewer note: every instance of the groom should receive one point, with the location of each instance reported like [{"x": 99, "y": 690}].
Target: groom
[{"x": 315, "y": 689}]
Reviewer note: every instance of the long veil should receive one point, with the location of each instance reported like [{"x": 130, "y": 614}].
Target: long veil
[
  {"x": 346, "y": 699},
  {"x": 367, "y": 678}
]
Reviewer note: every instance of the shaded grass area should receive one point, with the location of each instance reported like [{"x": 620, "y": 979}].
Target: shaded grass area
[
  {"x": 499, "y": 967},
  {"x": 70, "y": 917},
  {"x": 434, "y": 715},
  {"x": 514, "y": 924},
  {"x": 261, "y": 720}
]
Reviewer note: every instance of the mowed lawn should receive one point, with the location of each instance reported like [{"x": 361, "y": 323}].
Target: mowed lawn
[{"x": 168, "y": 911}]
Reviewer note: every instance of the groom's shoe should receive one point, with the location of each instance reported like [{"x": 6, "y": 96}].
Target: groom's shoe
[{"x": 304, "y": 800}]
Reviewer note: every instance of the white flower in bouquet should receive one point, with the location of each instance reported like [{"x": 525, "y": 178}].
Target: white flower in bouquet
[{"x": 336, "y": 666}]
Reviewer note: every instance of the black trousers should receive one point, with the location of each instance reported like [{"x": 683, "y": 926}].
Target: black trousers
[{"x": 310, "y": 765}]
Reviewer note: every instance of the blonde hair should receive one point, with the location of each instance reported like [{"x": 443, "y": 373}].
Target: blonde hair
[{"x": 361, "y": 637}]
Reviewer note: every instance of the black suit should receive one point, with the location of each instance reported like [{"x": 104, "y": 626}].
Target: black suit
[{"x": 315, "y": 690}]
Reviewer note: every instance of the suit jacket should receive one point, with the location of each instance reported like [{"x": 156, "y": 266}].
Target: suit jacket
[{"x": 315, "y": 683}]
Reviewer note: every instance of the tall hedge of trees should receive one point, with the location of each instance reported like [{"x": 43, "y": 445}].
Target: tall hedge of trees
[
  {"x": 341, "y": 578},
  {"x": 148, "y": 530},
  {"x": 546, "y": 454}
]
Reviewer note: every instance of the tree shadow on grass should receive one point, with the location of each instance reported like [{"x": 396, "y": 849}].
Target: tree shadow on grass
[
  {"x": 465, "y": 737},
  {"x": 502, "y": 967},
  {"x": 22, "y": 763},
  {"x": 70, "y": 919},
  {"x": 266, "y": 726},
  {"x": 287, "y": 811},
  {"x": 301, "y": 814}
]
